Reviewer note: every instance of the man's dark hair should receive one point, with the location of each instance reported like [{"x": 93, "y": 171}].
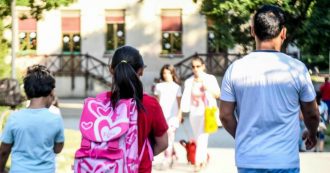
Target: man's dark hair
[
  {"x": 38, "y": 82},
  {"x": 268, "y": 22}
]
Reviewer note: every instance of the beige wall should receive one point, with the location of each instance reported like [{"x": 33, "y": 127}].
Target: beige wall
[{"x": 143, "y": 30}]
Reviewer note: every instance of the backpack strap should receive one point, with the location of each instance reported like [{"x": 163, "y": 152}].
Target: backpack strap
[
  {"x": 113, "y": 144},
  {"x": 151, "y": 153},
  {"x": 85, "y": 143}
]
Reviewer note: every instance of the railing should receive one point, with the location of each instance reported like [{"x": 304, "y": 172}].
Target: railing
[
  {"x": 78, "y": 64},
  {"x": 216, "y": 64}
]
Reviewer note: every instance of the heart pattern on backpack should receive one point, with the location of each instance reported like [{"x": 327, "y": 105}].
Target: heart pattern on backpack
[
  {"x": 98, "y": 108},
  {"x": 86, "y": 125},
  {"x": 112, "y": 137}
]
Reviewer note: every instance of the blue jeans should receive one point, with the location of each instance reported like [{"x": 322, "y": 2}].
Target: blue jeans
[{"x": 251, "y": 170}]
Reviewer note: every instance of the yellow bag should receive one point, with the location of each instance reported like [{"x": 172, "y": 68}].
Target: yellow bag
[{"x": 210, "y": 122}]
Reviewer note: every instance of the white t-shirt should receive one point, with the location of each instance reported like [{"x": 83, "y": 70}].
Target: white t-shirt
[
  {"x": 267, "y": 87},
  {"x": 167, "y": 93},
  {"x": 55, "y": 110}
]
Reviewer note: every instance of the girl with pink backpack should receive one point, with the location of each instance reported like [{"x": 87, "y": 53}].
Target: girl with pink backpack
[{"x": 124, "y": 128}]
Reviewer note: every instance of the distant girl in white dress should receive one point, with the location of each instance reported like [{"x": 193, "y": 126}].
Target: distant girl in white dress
[{"x": 168, "y": 92}]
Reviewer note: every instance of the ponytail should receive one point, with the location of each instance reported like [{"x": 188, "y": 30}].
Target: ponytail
[{"x": 126, "y": 82}]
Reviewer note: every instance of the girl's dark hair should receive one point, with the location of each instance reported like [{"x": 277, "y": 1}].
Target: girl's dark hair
[
  {"x": 126, "y": 83},
  {"x": 173, "y": 73},
  {"x": 38, "y": 82}
]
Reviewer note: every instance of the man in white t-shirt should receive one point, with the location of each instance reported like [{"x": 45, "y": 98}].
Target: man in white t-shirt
[{"x": 267, "y": 89}]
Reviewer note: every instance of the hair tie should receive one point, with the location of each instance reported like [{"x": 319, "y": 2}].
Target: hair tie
[{"x": 123, "y": 61}]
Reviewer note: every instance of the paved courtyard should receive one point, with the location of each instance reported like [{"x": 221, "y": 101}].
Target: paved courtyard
[{"x": 221, "y": 148}]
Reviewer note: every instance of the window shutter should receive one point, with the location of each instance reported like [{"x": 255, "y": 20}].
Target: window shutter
[
  {"x": 115, "y": 16},
  {"x": 171, "y": 20},
  {"x": 71, "y": 22},
  {"x": 27, "y": 25}
]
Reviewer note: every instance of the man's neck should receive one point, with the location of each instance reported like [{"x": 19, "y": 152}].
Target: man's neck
[{"x": 268, "y": 45}]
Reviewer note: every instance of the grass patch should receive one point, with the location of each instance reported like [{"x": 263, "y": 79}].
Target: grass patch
[
  {"x": 64, "y": 160},
  {"x": 4, "y": 114},
  {"x": 327, "y": 139}
]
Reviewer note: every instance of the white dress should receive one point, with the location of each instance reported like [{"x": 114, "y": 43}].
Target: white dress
[{"x": 167, "y": 93}]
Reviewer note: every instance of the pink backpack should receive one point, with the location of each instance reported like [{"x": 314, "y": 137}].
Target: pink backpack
[{"x": 109, "y": 137}]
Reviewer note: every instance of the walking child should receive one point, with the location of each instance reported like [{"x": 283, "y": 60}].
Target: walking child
[
  {"x": 33, "y": 135},
  {"x": 168, "y": 92}
]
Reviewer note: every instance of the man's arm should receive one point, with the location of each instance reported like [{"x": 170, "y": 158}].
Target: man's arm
[
  {"x": 58, "y": 147},
  {"x": 227, "y": 117},
  {"x": 5, "y": 150},
  {"x": 311, "y": 116}
]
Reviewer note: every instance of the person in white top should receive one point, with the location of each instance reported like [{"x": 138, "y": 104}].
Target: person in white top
[
  {"x": 54, "y": 107},
  {"x": 168, "y": 92},
  {"x": 199, "y": 89},
  {"x": 266, "y": 90}
]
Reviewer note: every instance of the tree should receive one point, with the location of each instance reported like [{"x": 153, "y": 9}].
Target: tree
[
  {"x": 3, "y": 52},
  {"x": 315, "y": 41},
  {"x": 231, "y": 22},
  {"x": 36, "y": 6}
]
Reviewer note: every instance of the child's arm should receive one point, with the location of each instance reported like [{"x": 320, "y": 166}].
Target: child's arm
[
  {"x": 5, "y": 150},
  {"x": 161, "y": 143},
  {"x": 179, "y": 115},
  {"x": 57, "y": 147}
]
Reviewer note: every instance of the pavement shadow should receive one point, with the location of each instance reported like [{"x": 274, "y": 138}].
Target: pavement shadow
[{"x": 219, "y": 139}]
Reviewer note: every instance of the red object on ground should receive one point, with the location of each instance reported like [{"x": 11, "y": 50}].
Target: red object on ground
[{"x": 191, "y": 150}]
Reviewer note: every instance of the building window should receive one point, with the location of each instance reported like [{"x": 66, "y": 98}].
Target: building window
[
  {"x": 71, "y": 42},
  {"x": 27, "y": 32},
  {"x": 115, "y": 34},
  {"x": 71, "y": 39},
  {"x": 171, "y": 32}
]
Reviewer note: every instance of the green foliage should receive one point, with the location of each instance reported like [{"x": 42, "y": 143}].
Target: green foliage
[
  {"x": 316, "y": 39},
  {"x": 4, "y": 70},
  {"x": 320, "y": 61},
  {"x": 308, "y": 22},
  {"x": 37, "y": 6}
]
